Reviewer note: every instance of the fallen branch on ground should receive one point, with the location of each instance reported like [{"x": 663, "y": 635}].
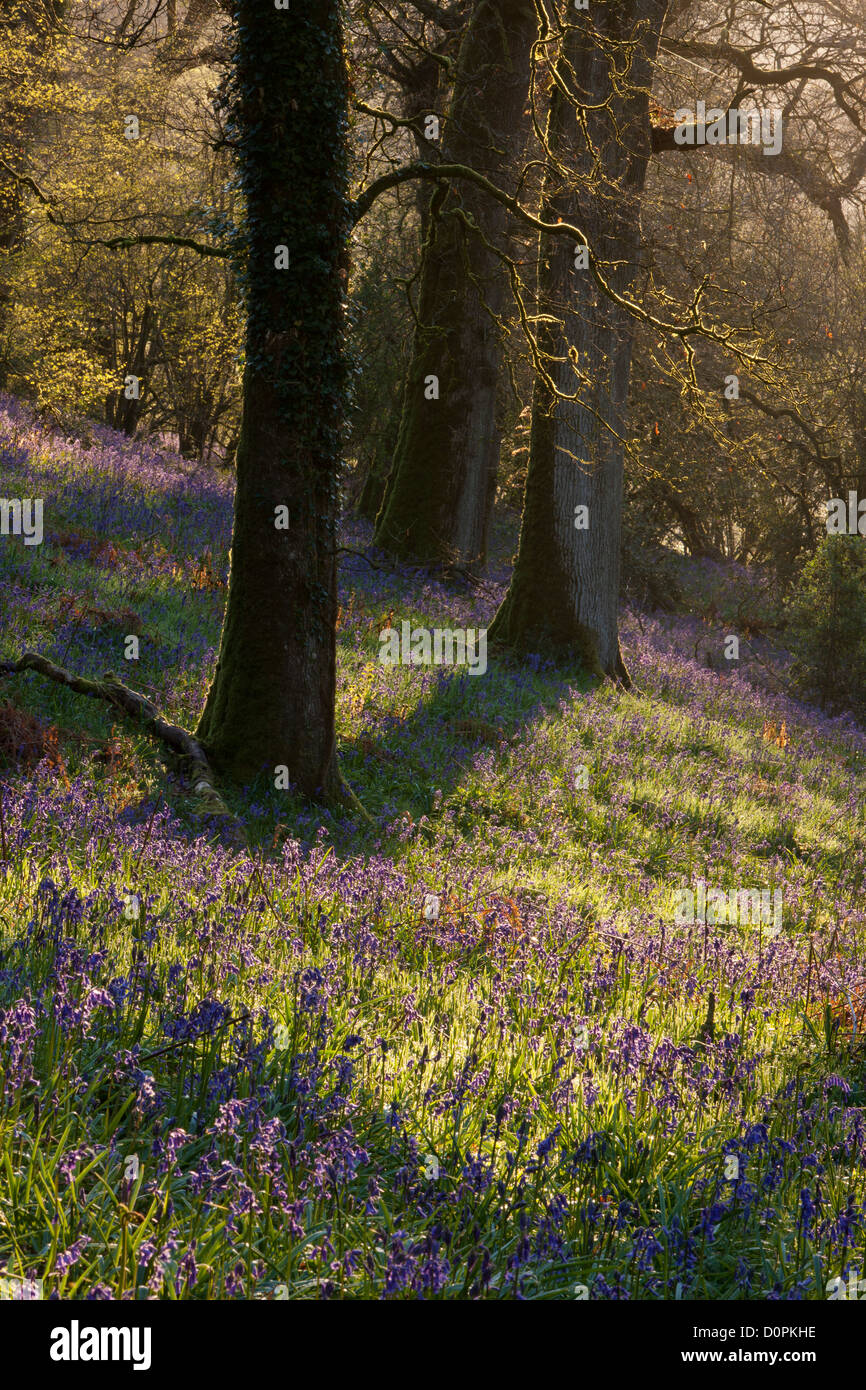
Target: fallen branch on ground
[{"x": 113, "y": 692}]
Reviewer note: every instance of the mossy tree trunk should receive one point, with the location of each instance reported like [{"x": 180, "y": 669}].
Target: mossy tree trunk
[
  {"x": 564, "y": 591},
  {"x": 271, "y": 704},
  {"x": 422, "y": 92},
  {"x": 438, "y": 499}
]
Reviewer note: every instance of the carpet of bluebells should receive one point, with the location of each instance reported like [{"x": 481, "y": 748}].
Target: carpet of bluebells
[{"x": 463, "y": 1050}]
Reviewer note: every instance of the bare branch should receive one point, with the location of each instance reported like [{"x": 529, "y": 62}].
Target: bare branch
[
  {"x": 694, "y": 326},
  {"x": 742, "y": 60}
]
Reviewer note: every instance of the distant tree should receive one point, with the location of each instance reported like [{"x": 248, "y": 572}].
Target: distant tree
[
  {"x": 403, "y": 59},
  {"x": 27, "y": 29},
  {"x": 827, "y": 625},
  {"x": 565, "y": 588},
  {"x": 112, "y": 160},
  {"x": 440, "y": 493}
]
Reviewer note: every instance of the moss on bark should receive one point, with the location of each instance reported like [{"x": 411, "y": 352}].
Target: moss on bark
[{"x": 271, "y": 703}]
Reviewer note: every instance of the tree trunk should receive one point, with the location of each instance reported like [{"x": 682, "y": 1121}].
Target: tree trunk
[
  {"x": 565, "y": 588},
  {"x": 122, "y": 412},
  {"x": 372, "y": 493},
  {"x": 438, "y": 500},
  {"x": 271, "y": 704},
  {"x": 423, "y": 87},
  {"x": 420, "y": 94}
]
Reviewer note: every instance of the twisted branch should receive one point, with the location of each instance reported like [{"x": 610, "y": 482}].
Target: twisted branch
[{"x": 113, "y": 692}]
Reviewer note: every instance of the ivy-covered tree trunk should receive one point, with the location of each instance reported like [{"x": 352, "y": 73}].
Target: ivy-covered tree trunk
[
  {"x": 271, "y": 704},
  {"x": 564, "y": 591},
  {"x": 439, "y": 496},
  {"x": 423, "y": 92}
]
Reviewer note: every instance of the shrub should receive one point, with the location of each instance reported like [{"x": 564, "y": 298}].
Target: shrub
[
  {"x": 827, "y": 624},
  {"x": 650, "y": 573}
]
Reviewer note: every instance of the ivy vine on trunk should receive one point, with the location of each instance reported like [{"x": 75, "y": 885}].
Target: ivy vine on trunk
[{"x": 271, "y": 703}]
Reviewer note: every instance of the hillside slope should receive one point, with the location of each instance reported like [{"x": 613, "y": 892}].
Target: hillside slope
[{"x": 467, "y": 1051}]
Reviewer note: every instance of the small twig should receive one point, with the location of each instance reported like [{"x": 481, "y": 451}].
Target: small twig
[
  {"x": 780, "y": 684},
  {"x": 384, "y": 569}
]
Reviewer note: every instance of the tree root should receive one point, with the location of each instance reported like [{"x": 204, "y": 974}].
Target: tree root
[
  {"x": 621, "y": 674},
  {"x": 120, "y": 697},
  {"x": 340, "y": 797}
]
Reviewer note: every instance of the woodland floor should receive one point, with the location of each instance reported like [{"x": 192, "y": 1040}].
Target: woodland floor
[{"x": 263, "y": 1072}]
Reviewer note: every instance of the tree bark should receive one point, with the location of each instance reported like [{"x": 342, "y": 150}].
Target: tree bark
[
  {"x": 438, "y": 500},
  {"x": 565, "y": 588},
  {"x": 271, "y": 703}
]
